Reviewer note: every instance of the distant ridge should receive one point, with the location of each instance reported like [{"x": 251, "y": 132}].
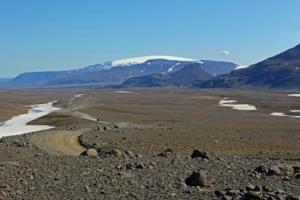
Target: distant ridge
[
  {"x": 281, "y": 71},
  {"x": 116, "y": 72}
]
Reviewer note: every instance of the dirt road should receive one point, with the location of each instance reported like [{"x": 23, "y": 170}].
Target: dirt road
[{"x": 59, "y": 142}]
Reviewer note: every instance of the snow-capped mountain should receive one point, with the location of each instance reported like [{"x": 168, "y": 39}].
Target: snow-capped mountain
[
  {"x": 116, "y": 72},
  {"x": 141, "y": 60}
]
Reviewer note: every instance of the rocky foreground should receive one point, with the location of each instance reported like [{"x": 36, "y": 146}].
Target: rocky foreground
[{"x": 104, "y": 171}]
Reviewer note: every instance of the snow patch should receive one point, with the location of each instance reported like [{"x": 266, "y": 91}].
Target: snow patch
[
  {"x": 140, "y": 60},
  {"x": 295, "y": 111},
  {"x": 173, "y": 67},
  {"x": 280, "y": 114},
  {"x": 124, "y": 92},
  {"x": 294, "y": 95},
  {"x": 241, "y": 67},
  {"x": 18, "y": 124},
  {"x": 78, "y": 95},
  {"x": 233, "y": 104}
]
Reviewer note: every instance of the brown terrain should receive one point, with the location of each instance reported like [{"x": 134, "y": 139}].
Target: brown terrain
[
  {"x": 145, "y": 148},
  {"x": 194, "y": 119}
]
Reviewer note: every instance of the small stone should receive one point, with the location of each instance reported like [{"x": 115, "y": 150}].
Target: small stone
[
  {"x": 139, "y": 166},
  {"x": 139, "y": 156},
  {"x": 227, "y": 197},
  {"x": 266, "y": 188},
  {"x": 286, "y": 178},
  {"x": 287, "y": 170},
  {"x": 274, "y": 170},
  {"x": 251, "y": 195},
  {"x": 87, "y": 189},
  {"x": 116, "y": 152},
  {"x": 262, "y": 169},
  {"x": 116, "y": 126},
  {"x": 296, "y": 168},
  {"x": 250, "y": 187},
  {"x": 129, "y": 154},
  {"x": 90, "y": 152},
  {"x": 197, "y": 179},
  {"x": 201, "y": 154},
  {"x": 166, "y": 153}
]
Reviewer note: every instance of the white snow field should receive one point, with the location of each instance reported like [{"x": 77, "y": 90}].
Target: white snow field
[
  {"x": 294, "y": 95},
  {"x": 225, "y": 102},
  {"x": 140, "y": 60},
  {"x": 124, "y": 92},
  {"x": 278, "y": 114},
  {"x": 18, "y": 124}
]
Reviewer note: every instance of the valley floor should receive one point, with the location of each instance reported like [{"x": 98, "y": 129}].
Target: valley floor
[{"x": 144, "y": 151}]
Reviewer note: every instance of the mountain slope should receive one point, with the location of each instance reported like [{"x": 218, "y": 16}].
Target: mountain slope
[
  {"x": 218, "y": 67},
  {"x": 280, "y": 71},
  {"x": 119, "y": 73},
  {"x": 187, "y": 76}
]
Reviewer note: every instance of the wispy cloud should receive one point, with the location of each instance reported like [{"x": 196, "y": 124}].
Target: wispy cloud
[{"x": 225, "y": 52}]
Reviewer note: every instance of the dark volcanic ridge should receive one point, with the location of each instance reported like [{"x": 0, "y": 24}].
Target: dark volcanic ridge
[{"x": 279, "y": 72}]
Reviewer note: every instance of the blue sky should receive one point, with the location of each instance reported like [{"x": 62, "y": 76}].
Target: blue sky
[{"x": 40, "y": 35}]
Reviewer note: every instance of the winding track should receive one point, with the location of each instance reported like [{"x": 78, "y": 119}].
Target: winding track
[{"x": 59, "y": 142}]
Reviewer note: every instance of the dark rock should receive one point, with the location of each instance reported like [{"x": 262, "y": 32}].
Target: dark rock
[
  {"x": 266, "y": 188},
  {"x": 251, "y": 195},
  {"x": 197, "y": 179},
  {"x": 296, "y": 169},
  {"x": 262, "y": 169},
  {"x": 201, "y": 154}
]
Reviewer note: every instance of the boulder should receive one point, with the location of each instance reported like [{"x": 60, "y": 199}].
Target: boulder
[
  {"x": 90, "y": 153},
  {"x": 262, "y": 169},
  {"x": 252, "y": 195},
  {"x": 274, "y": 170},
  {"x": 202, "y": 154},
  {"x": 197, "y": 179}
]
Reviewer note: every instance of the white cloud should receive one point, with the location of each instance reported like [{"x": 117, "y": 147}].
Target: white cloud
[{"x": 225, "y": 52}]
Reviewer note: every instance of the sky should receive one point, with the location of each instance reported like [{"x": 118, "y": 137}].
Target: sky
[{"x": 44, "y": 35}]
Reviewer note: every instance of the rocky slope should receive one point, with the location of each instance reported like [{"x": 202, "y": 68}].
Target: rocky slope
[
  {"x": 281, "y": 71},
  {"x": 187, "y": 76},
  {"x": 106, "y": 171}
]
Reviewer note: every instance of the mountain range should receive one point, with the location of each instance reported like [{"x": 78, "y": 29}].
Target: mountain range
[
  {"x": 279, "y": 72},
  {"x": 116, "y": 72}
]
